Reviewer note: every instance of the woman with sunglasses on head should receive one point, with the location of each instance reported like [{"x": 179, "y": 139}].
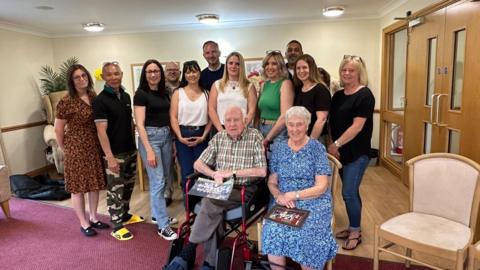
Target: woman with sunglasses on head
[
  {"x": 276, "y": 97},
  {"x": 152, "y": 106},
  {"x": 313, "y": 94},
  {"x": 351, "y": 128},
  {"x": 189, "y": 119},
  {"x": 77, "y": 137},
  {"x": 233, "y": 89}
]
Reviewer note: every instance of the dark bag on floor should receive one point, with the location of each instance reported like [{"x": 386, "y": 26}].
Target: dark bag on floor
[{"x": 38, "y": 188}]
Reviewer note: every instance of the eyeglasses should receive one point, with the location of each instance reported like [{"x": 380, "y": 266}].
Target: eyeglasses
[
  {"x": 83, "y": 76},
  {"x": 273, "y": 52},
  {"x": 353, "y": 57},
  {"x": 155, "y": 71},
  {"x": 173, "y": 70}
]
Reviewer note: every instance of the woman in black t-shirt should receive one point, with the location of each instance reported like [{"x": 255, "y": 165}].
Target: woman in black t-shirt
[
  {"x": 312, "y": 93},
  {"x": 351, "y": 127},
  {"x": 152, "y": 106}
]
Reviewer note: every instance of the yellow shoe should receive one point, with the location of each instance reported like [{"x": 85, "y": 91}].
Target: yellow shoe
[
  {"x": 134, "y": 219},
  {"x": 122, "y": 234}
]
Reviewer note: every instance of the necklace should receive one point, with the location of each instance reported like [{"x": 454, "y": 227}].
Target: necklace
[{"x": 233, "y": 84}]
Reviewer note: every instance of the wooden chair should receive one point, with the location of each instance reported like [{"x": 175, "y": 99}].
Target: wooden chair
[
  {"x": 141, "y": 176},
  {"x": 473, "y": 255},
  {"x": 444, "y": 202},
  {"x": 333, "y": 182}
]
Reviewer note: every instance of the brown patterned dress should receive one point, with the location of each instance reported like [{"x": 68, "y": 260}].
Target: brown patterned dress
[{"x": 84, "y": 170}]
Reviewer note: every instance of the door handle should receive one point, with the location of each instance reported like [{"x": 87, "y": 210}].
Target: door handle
[
  {"x": 432, "y": 108},
  {"x": 438, "y": 110}
]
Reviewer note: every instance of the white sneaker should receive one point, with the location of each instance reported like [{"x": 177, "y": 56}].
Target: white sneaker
[
  {"x": 167, "y": 233},
  {"x": 171, "y": 220}
]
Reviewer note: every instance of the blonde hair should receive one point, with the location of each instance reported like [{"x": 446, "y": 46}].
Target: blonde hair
[
  {"x": 242, "y": 78},
  {"x": 278, "y": 58},
  {"x": 359, "y": 64}
]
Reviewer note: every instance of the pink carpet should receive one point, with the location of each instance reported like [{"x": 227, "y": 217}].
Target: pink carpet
[{"x": 42, "y": 236}]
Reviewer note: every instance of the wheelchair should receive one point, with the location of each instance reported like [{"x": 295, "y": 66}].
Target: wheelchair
[{"x": 234, "y": 220}]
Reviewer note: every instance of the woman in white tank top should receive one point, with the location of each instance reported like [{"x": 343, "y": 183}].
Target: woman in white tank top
[
  {"x": 233, "y": 89},
  {"x": 189, "y": 119}
]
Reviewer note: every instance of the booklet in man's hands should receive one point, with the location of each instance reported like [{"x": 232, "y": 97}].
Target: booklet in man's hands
[{"x": 208, "y": 188}]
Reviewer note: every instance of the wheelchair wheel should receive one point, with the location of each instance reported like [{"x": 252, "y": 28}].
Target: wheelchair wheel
[{"x": 224, "y": 256}]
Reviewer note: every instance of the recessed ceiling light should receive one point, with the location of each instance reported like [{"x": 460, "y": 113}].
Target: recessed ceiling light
[
  {"x": 208, "y": 18},
  {"x": 93, "y": 27},
  {"x": 44, "y": 7},
  {"x": 334, "y": 11}
]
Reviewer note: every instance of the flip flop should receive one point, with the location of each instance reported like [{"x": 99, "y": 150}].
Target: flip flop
[
  {"x": 122, "y": 234},
  {"x": 134, "y": 219},
  {"x": 358, "y": 239},
  {"x": 342, "y": 234}
]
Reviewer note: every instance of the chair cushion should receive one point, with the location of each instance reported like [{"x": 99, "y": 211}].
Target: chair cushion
[{"x": 429, "y": 230}]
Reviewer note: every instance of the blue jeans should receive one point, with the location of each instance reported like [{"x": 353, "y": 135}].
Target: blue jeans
[
  {"x": 265, "y": 129},
  {"x": 352, "y": 174},
  {"x": 186, "y": 156},
  {"x": 161, "y": 141}
]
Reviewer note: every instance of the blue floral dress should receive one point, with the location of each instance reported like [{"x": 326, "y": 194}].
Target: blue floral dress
[{"x": 312, "y": 244}]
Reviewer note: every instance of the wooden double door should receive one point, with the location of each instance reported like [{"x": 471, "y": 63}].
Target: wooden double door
[{"x": 442, "y": 112}]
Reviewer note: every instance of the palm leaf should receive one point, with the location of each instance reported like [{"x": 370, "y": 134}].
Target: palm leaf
[{"x": 52, "y": 81}]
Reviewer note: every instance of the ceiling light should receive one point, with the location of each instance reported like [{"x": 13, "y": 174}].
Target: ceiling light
[
  {"x": 93, "y": 27},
  {"x": 44, "y": 7},
  {"x": 208, "y": 18},
  {"x": 333, "y": 11}
]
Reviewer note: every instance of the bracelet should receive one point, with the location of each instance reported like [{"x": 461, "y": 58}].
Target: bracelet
[{"x": 337, "y": 143}]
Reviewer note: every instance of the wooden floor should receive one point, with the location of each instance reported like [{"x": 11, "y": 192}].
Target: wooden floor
[{"x": 383, "y": 196}]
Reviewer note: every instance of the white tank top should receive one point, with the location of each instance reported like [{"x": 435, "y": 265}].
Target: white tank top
[
  {"x": 232, "y": 95},
  {"x": 192, "y": 113}
]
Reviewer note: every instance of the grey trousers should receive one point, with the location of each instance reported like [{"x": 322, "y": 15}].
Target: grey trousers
[{"x": 208, "y": 226}]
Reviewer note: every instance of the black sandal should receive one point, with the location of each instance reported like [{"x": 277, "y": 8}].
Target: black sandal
[
  {"x": 88, "y": 231},
  {"x": 343, "y": 234},
  {"x": 99, "y": 225},
  {"x": 347, "y": 242}
]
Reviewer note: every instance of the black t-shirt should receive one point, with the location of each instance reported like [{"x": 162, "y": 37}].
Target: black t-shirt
[
  {"x": 117, "y": 111},
  {"x": 317, "y": 99},
  {"x": 157, "y": 107},
  {"x": 344, "y": 109},
  {"x": 208, "y": 77}
]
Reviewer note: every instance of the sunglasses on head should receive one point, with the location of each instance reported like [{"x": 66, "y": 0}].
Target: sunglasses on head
[{"x": 273, "y": 52}]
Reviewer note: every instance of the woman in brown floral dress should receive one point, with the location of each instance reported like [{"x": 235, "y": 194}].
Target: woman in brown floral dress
[{"x": 77, "y": 136}]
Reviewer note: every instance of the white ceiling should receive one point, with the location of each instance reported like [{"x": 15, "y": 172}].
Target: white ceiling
[{"x": 124, "y": 16}]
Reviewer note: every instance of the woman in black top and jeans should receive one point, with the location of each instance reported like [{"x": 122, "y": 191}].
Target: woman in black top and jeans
[
  {"x": 312, "y": 93},
  {"x": 351, "y": 127},
  {"x": 152, "y": 105}
]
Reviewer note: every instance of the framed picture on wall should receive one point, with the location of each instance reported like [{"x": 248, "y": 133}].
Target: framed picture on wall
[
  {"x": 253, "y": 70},
  {"x": 136, "y": 70}
]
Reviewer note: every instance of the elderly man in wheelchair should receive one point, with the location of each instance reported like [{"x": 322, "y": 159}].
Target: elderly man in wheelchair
[{"x": 236, "y": 152}]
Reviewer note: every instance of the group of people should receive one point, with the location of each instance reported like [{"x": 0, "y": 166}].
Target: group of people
[{"x": 294, "y": 115}]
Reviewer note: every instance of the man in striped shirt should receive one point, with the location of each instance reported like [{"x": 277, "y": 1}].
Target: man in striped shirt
[{"x": 236, "y": 152}]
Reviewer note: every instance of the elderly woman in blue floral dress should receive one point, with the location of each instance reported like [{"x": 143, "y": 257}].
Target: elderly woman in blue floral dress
[{"x": 299, "y": 168}]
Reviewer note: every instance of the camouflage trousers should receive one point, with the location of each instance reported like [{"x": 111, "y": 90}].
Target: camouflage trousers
[{"x": 120, "y": 186}]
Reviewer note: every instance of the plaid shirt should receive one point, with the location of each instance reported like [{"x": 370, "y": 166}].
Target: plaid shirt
[{"x": 223, "y": 153}]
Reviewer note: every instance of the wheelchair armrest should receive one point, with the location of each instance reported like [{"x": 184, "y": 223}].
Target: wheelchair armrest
[{"x": 195, "y": 175}]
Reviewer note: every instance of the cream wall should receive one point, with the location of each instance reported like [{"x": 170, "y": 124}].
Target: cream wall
[
  {"x": 20, "y": 102},
  {"x": 326, "y": 41},
  {"x": 23, "y": 54}
]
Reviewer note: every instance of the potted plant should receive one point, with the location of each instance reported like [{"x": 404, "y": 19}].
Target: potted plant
[
  {"x": 53, "y": 86},
  {"x": 52, "y": 81}
]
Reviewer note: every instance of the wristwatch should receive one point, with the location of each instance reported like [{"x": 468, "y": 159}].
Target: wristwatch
[
  {"x": 297, "y": 195},
  {"x": 234, "y": 174},
  {"x": 337, "y": 143}
]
